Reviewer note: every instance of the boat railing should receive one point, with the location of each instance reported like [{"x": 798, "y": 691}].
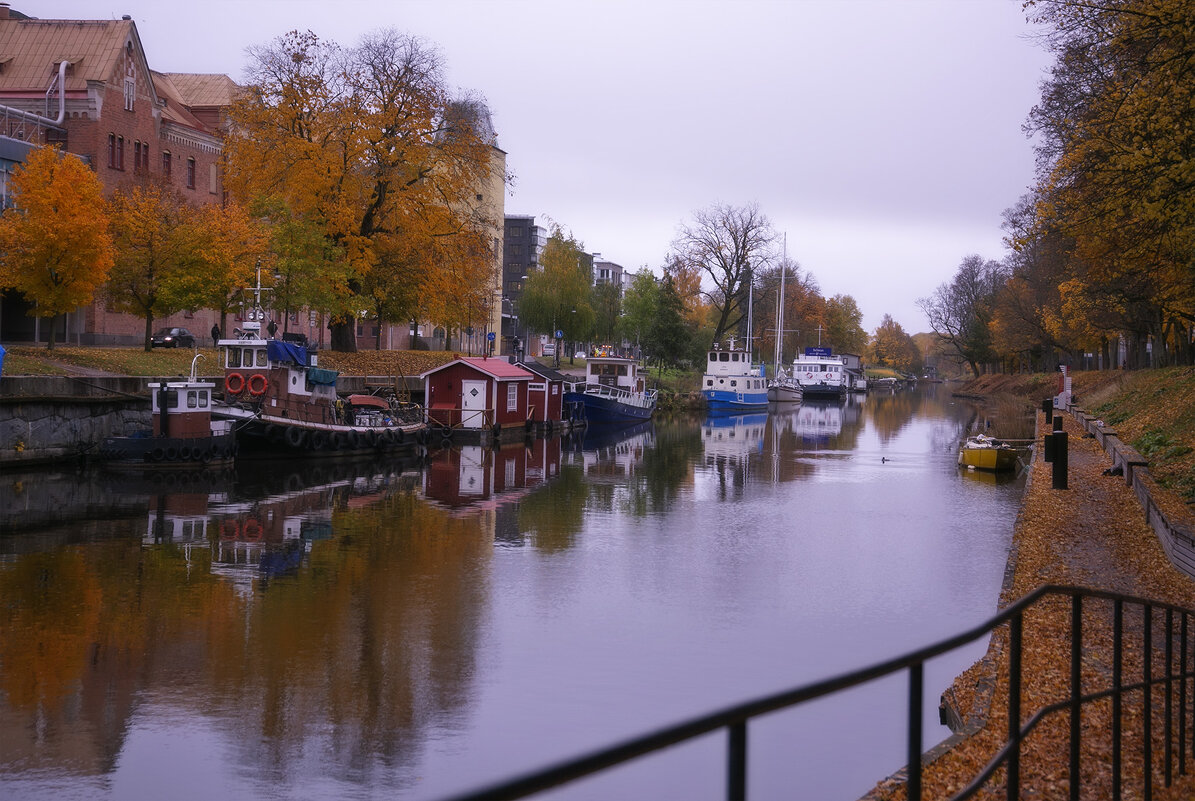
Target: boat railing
[{"x": 621, "y": 394}]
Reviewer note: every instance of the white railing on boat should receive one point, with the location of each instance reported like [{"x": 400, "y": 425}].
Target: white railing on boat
[{"x": 644, "y": 399}]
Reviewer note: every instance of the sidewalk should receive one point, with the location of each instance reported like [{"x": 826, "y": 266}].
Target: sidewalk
[{"x": 1092, "y": 534}]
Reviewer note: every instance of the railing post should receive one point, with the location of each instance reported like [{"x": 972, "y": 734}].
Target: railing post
[
  {"x": 1182, "y": 695},
  {"x": 1076, "y": 688},
  {"x": 736, "y": 768},
  {"x": 1013, "y": 784},
  {"x": 1147, "y": 699},
  {"x": 1117, "y": 683},
  {"x": 916, "y": 695},
  {"x": 1169, "y": 714}
]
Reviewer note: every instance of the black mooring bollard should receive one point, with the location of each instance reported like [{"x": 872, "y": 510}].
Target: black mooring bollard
[
  {"x": 1060, "y": 460},
  {"x": 1047, "y": 451},
  {"x": 1057, "y": 422},
  {"x": 1047, "y": 407}
]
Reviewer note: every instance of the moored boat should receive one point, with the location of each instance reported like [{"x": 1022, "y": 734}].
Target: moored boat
[
  {"x": 614, "y": 391},
  {"x": 982, "y": 452},
  {"x": 732, "y": 383},
  {"x": 784, "y": 388},
  {"x": 183, "y": 433},
  {"x": 821, "y": 374}
]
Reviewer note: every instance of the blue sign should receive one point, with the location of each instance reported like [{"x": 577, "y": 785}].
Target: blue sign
[
  {"x": 559, "y": 334},
  {"x": 490, "y": 336},
  {"x": 824, "y": 352}
]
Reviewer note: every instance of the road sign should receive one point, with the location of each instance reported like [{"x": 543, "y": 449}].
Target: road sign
[
  {"x": 490, "y": 336},
  {"x": 559, "y": 334}
]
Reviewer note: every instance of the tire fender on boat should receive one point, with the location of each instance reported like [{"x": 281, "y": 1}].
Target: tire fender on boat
[
  {"x": 318, "y": 440},
  {"x": 296, "y": 437}
]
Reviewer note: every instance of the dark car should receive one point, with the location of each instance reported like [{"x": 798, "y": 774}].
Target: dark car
[{"x": 173, "y": 338}]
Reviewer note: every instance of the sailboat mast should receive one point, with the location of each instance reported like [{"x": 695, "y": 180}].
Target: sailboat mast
[{"x": 780, "y": 308}]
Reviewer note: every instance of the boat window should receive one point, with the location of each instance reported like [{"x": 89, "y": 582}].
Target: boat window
[
  {"x": 192, "y": 399},
  {"x": 734, "y": 383},
  {"x": 203, "y": 393},
  {"x": 261, "y": 357},
  {"x": 172, "y": 399},
  {"x": 723, "y": 356},
  {"x": 713, "y": 357},
  {"x": 709, "y": 383},
  {"x": 734, "y": 357},
  {"x": 233, "y": 357},
  {"x": 622, "y": 369}
]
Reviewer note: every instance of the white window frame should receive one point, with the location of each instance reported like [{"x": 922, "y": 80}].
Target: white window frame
[{"x": 512, "y": 396}]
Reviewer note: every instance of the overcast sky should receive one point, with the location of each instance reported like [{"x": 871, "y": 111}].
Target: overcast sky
[{"x": 883, "y": 136}]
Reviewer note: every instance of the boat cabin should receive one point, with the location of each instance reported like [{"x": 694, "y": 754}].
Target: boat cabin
[
  {"x": 616, "y": 372},
  {"x": 280, "y": 375},
  {"x": 477, "y": 392},
  {"x": 182, "y": 409}
]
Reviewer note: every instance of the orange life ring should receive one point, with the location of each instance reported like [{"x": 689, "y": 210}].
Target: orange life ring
[
  {"x": 234, "y": 383},
  {"x": 229, "y": 530},
  {"x": 251, "y": 530},
  {"x": 254, "y": 388}
]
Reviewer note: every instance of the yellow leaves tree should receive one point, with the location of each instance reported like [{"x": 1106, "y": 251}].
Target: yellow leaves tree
[
  {"x": 151, "y": 228},
  {"x": 55, "y": 242},
  {"x": 365, "y": 144}
]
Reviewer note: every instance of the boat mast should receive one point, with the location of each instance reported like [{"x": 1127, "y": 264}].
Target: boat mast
[{"x": 780, "y": 310}]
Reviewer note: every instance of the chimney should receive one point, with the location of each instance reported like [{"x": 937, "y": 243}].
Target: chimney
[{"x": 3, "y": 10}]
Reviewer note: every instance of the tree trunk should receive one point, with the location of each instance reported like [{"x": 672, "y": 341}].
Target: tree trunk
[
  {"x": 50, "y": 339},
  {"x": 149, "y": 332},
  {"x": 344, "y": 336}
]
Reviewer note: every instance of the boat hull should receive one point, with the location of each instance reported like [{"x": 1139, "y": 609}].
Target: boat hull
[
  {"x": 169, "y": 452},
  {"x": 995, "y": 459},
  {"x": 823, "y": 391},
  {"x": 781, "y": 393},
  {"x": 599, "y": 409},
  {"x": 276, "y": 436}
]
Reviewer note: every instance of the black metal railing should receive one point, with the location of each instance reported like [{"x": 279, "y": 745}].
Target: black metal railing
[{"x": 734, "y": 719}]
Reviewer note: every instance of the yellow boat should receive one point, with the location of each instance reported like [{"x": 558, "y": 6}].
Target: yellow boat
[{"x": 981, "y": 452}]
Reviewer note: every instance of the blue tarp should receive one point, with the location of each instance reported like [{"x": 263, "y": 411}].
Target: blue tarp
[
  {"x": 2, "y": 352},
  {"x": 318, "y": 375},
  {"x": 280, "y": 351}
]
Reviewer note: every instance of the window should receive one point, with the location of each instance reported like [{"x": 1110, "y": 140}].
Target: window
[
  {"x": 120, "y": 152},
  {"x": 137, "y": 155},
  {"x": 190, "y": 173},
  {"x": 112, "y": 150},
  {"x": 166, "y": 163},
  {"x": 512, "y": 396},
  {"x": 192, "y": 399},
  {"x": 211, "y": 179},
  {"x": 130, "y": 93}
]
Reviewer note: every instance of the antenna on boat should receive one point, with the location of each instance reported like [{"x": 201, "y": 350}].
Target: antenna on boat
[{"x": 255, "y": 315}]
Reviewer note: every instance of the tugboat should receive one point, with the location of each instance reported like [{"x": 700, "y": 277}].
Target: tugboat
[
  {"x": 183, "y": 432},
  {"x": 732, "y": 383},
  {"x": 284, "y": 403}
]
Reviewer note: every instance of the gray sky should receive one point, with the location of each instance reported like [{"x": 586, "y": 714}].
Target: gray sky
[{"x": 883, "y": 136}]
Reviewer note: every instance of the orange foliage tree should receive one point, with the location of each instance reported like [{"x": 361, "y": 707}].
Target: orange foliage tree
[
  {"x": 55, "y": 242},
  {"x": 366, "y": 144}
]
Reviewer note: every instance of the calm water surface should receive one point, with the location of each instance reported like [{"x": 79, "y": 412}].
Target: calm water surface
[{"x": 411, "y": 629}]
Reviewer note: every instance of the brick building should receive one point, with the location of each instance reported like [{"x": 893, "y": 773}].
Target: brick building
[{"x": 86, "y": 86}]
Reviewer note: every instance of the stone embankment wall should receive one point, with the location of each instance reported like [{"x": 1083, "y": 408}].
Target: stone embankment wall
[
  {"x": 1170, "y": 519},
  {"x": 47, "y": 419}
]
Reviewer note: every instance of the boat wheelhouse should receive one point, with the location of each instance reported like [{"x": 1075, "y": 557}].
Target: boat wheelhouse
[
  {"x": 732, "y": 382},
  {"x": 821, "y": 373},
  {"x": 183, "y": 433},
  {"x": 614, "y": 391}
]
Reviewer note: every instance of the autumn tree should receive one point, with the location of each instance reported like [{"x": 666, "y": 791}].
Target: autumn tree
[
  {"x": 151, "y": 230},
  {"x": 844, "y": 324},
  {"x": 1114, "y": 144},
  {"x": 728, "y": 245},
  {"x": 366, "y": 144},
  {"x": 607, "y": 307},
  {"x": 959, "y": 311},
  {"x": 892, "y": 347},
  {"x": 226, "y": 245},
  {"x": 639, "y": 306},
  {"x": 55, "y": 245},
  {"x": 557, "y": 296},
  {"x": 668, "y": 336}
]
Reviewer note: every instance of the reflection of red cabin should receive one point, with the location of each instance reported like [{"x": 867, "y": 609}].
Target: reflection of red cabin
[
  {"x": 545, "y": 394},
  {"x": 475, "y": 392}
]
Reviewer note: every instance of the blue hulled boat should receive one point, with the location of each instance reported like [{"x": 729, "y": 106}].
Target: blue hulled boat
[
  {"x": 614, "y": 391},
  {"x": 732, "y": 383}
]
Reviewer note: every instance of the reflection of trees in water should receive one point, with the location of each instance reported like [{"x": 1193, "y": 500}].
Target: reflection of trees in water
[
  {"x": 351, "y": 658},
  {"x": 551, "y": 517},
  {"x": 665, "y": 468}
]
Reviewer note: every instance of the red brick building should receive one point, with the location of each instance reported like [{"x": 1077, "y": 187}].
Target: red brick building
[{"x": 86, "y": 86}]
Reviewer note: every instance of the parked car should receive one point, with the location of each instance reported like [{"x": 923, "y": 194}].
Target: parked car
[
  {"x": 550, "y": 349},
  {"x": 172, "y": 338}
]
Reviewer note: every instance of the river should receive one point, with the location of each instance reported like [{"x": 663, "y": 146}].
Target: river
[{"x": 411, "y": 629}]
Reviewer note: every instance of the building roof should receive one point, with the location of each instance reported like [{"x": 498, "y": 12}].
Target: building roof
[
  {"x": 200, "y": 90},
  {"x": 31, "y": 49},
  {"x": 495, "y": 368},
  {"x": 546, "y": 372}
]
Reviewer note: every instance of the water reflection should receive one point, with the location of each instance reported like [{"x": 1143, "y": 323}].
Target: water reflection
[{"x": 410, "y": 628}]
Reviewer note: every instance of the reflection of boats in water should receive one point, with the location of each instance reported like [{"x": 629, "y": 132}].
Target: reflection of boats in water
[
  {"x": 732, "y": 437},
  {"x": 989, "y": 476},
  {"x": 613, "y": 450},
  {"x": 819, "y": 420}
]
